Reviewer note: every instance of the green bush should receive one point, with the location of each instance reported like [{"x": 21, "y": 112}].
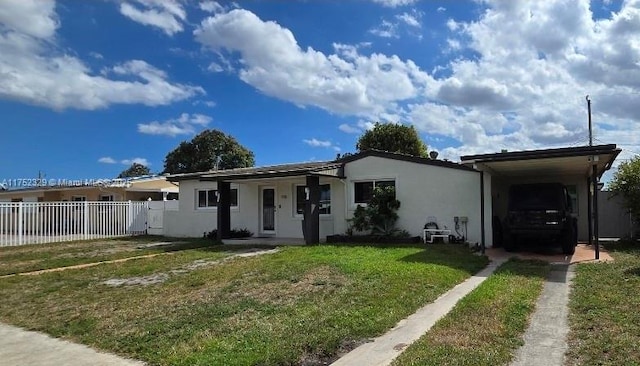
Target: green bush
[{"x": 380, "y": 215}]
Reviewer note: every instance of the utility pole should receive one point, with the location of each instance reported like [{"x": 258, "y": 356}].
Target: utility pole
[{"x": 590, "y": 129}]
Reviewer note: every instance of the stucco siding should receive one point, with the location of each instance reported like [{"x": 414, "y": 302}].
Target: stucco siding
[
  {"x": 424, "y": 191},
  {"x": 191, "y": 221}
]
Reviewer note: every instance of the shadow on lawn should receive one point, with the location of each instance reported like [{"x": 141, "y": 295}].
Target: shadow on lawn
[
  {"x": 629, "y": 246},
  {"x": 454, "y": 256}
]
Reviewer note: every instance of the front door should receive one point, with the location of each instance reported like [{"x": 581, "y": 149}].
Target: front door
[{"x": 268, "y": 212}]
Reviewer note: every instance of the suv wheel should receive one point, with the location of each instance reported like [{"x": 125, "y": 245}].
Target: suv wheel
[
  {"x": 569, "y": 241},
  {"x": 510, "y": 242}
]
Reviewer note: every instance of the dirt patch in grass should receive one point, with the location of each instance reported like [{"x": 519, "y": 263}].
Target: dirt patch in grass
[
  {"x": 137, "y": 281},
  {"x": 162, "y": 277}
]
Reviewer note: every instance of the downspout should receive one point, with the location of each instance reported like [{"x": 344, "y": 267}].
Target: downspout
[{"x": 482, "y": 230}]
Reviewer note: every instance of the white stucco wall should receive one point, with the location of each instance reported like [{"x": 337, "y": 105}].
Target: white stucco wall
[
  {"x": 424, "y": 191},
  {"x": 191, "y": 221}
]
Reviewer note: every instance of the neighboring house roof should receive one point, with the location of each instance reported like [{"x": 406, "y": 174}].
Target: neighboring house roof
[
  {"x": 142, "y": 184},
  {"x": 333, "y": 168}
]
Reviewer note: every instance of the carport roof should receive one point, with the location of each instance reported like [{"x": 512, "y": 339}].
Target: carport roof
[{"x": 560, "y": 161}]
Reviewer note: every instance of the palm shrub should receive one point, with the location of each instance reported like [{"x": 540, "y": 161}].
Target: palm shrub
[{"x": 380, "y": 215}]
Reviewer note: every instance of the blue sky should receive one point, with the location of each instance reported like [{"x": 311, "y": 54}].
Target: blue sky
[{"x": 87, "y": 87}]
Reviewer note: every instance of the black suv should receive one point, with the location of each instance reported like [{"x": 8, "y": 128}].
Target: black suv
[{"x": 540, "y": 211}]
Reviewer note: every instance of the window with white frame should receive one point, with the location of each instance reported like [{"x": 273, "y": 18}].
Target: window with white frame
[
  {"x": 324, "y": 203},
  {"x": 106, "y": 198},
  {"x": 363, "y": 190},
  {"x": 78, "y": 198},
  {"x": 206, "y": 198}
]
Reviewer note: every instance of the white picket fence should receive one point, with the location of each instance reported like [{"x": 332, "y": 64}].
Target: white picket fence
[{"x": 46, "y": 222}]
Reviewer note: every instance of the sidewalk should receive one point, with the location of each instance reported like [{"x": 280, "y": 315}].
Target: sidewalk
[
  {"x": 21, "y": 347},
  {"x": 545, "y": 341},
  {"x": 384, "y": 349}
]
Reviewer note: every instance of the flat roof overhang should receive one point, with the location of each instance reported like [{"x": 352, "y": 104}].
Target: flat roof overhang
[
  {"x": 547, "y": 162},
  {"x": 330, "y": 172}
]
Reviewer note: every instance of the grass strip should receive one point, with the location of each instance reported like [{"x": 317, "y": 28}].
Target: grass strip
[
  {"x": 301, "y": 305},
  {"x": 604, "y": 317},
  {"x": 486, "y": 327}
]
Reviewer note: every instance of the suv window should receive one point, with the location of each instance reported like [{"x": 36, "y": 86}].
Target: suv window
[{"x": 539, "y": 197}]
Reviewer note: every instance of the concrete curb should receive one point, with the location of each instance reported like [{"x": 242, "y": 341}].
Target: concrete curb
[{"x": 384, "y": 349}]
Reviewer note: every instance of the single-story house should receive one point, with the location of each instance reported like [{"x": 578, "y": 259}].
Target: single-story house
[
  {"x": 156, "y": 188},
  {"x": 464, "y": 197},
  {"x": 270, "y": 201}
]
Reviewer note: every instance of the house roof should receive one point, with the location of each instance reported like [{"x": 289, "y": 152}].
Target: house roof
[
  {"x": 326, "y": 168},
  {"x": 333, "y": 168},
  {"x": 567, "y": 160},
  {"x": 405, "y": 157}
]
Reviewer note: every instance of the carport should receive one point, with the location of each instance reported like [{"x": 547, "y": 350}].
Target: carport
[{"x": 578, "y": 168}]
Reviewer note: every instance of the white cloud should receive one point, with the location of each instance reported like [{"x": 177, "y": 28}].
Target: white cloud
[
  {"x": 412, "y": 20},
  {"x": 520, "y": 85},
  {"x": 207, "y": 103},
  {"x": 320, "y": 143},
  {"x": 441, "y": 9},
  {"x": 26, "y": 17},
  {"x": 96, "y": 55},
  {"x": 141, "y": 161},
  {"x": 525, "y": 87},
  {"x": 386, "y": 29},
  {"x": 215, "y": 67},
  {"x": 186, "y": 124},
  {"x": 211, "y": 7},
  {"x": 33, "y": 70},
  {"x": 347, "y": 128},
  {"x": 395, "y": 3},
  {"x": 107, "y": 160},
  {"x": 167, "y": 15},
  {"x": 345, "y": 82},
  {"x": 317, "y": 143}
]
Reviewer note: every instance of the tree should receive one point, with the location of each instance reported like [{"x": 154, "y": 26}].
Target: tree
[
  {"x": 135, "y": 170},
  {"x": 393, "y": 137},
  {"x": 626, "y": 183},
  {"x": 211, "y": 149}
]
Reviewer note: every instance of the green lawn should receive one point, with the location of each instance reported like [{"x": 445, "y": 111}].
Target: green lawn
[
  {"x": 35, "y": 257},
  {"x": 299, "y": 305},
  {"x": 605, "y": 310},
  {"x": 486, "y": 326}
]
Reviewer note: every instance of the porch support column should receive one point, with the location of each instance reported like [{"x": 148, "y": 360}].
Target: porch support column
[
  {"x": 224, "y": 209},
  {"x": 596, "y": 242},
  {"x": 312, "y": 211},
  {"x": 589, "y": 210}
]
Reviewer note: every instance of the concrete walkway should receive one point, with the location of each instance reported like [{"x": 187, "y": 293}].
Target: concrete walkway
[
  {"x": 21, "y": 347},
  {"x": 384, "y": 349},
  {"x": 546, "y": 338}
]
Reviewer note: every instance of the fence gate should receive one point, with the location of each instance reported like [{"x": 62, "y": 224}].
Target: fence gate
[
  {"x": 46, "y": 222},
  {"x": 156, "y": 215}
]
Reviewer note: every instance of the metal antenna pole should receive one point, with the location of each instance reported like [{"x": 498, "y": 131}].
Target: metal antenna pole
[{"x": 590, "y": 129}]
